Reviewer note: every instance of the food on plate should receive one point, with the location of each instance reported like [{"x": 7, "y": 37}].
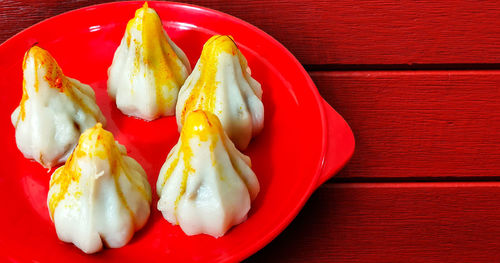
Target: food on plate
[
  {"x": 53, "y": 112},
  {"x": 148, "y": 68},
  {"x": 205, "y": 185},
  {"x": 100, "y": 196},
  {"x": 221, "y": 84}
]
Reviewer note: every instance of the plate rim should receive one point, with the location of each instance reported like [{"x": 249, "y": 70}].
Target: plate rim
[{"x": 285, "y": 222}]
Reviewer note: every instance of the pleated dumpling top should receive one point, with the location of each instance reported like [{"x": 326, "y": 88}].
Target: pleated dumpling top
[
  {"x": 148, "y": 68},
  {"x": 100, "y": 196},
  {"x": 222, "y": 85},
  {"x": 206, "y": 185},
  {"x": 53, "y": 112}
]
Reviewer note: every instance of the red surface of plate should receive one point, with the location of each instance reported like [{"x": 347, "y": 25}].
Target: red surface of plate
[{"x": 303, "y": 143}]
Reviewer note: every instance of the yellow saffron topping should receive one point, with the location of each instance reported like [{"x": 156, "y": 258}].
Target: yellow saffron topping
[
  {"x": 93, "y": 143},
  {"x": 24, "y": 98},
  {"x": 200, "y": 125},
  {"x": 53, "y": 73},
  {"x": 64, "y": 176},
  {"x": 50, "y": 73},
  {"x": 43, "y": 60},
  {"x": 154, "y": 51},
  {"x": 202, "y": 96}
]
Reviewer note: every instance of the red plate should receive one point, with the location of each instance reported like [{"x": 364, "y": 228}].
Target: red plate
[{"x": 304, "y": 141}]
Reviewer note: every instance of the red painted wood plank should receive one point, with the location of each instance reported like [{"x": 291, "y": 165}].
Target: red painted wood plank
[
  {"x": 408, "y": 222},
  {"x": 339, "y": 32},
  {"x": 418, "y": 123}
]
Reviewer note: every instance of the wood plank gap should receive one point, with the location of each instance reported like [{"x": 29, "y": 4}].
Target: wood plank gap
[
  {"x": 398, "y": 67},
  {"x": 467, "y": 179},
  {"x": 327, "y": 187}
]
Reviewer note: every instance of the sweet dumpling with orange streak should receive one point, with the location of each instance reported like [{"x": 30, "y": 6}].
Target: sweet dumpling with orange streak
[
  {"x": 53, "y": 112},
  {"x": 148, "y": 68},
  {"x": 100, "y": 196},
  {"x": 221, "y": 84},
  {"x": 206, "y": 185}
]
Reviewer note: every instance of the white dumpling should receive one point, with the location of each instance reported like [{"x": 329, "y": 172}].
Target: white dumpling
[
  {"x": 53, "y": 112},
  {"x": 100, "y": 196},
  {"x": 205, "y": 185},
  {"x": 148, "y": 68},
  {"x": 221, "y": 84}
]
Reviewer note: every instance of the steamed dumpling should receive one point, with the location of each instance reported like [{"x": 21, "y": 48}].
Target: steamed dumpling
[
  {"x": 53, "y": 112},
  {"x": 100, "y": 196},
  {"x": 148, "y": 68},
  {"x": 221, "y": 84},
  {"x": 206, "y": 185}
]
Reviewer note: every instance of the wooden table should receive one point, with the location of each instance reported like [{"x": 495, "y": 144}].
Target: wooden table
[{"x": 419, "y": 83}]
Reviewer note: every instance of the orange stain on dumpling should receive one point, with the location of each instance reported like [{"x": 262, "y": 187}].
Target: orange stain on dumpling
[{"x": 52, "y": 75}]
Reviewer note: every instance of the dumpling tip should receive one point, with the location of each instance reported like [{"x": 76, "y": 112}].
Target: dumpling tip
[
  {"x": 201, "y": 124},
  {"x": 221, "y": 43}
]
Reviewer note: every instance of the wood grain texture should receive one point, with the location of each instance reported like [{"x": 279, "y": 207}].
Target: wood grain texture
[
  {"x": 339, "y": 32},
  {"x": 429, "y": 125},
  {"x": 418, "y": 124},
  {"x": 388, "y": 222}
]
